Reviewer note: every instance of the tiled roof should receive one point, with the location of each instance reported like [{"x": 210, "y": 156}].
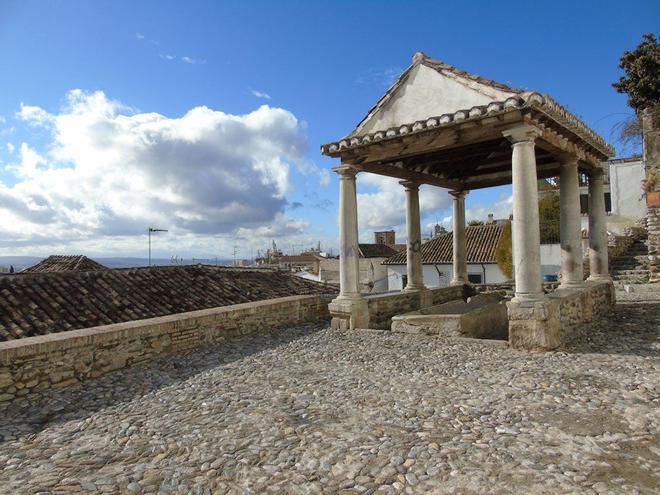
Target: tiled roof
[
  {"x": 58, "y": 263},
  {"x": 522, "y": 99},
  {"x": 42, "y": 303},
  {"x": 480, "y": 243},
  {"x": 298, "y": 258},
  {"x": 376, "y": 250}
]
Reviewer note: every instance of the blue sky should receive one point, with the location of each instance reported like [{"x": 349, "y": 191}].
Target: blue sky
[{"x": 141, "y": 66}]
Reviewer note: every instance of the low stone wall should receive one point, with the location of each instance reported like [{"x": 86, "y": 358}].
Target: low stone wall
[
  {"x": 61, "y": 359},
  {"x": 382, "y": 307},
  {"x": 577, "y": 307},
  {"x": 545, "y": 324}
]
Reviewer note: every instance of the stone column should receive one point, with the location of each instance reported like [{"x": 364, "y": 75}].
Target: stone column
[
  {"x": 570, "y": 226},
  {"x": 349, "y": 309},
  {"x": 413, "y": 231},
  {"x": 598, "y": 263},
  {"x": 525, "y": 226},
  {"x": 459, "y": 253},
  {"x": 348, "y": 234}
]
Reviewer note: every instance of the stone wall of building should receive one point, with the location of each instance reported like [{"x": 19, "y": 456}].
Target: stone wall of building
[
  {"x": 383, "y": 307},
  {"x": 653, "y": 225},
  {"x": 61, "y": 359}
]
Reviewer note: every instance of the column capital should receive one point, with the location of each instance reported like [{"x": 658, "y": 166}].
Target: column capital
[
  {"x": 596, "y": 173},
  {"x": 345, "y": 171},
  {"x": 569, "y": 161},
  {"x": 522, "y": 134},
  {"x": 410, "y": 185},
  {"x": 459, "y": 194}
]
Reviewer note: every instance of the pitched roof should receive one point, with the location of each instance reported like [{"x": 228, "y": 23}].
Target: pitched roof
[
  {"x": 480, "y": 243},
  {"x": 376, "y": 250},
  {"x": 447, "y": 96},
  {"x": 59, "y": 263},
  {"x": 297, "y": 258},
  {"x": 41, "y": 303}
]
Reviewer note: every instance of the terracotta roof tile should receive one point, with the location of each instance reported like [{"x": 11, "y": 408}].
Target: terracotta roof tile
[
  {"x": 59, "y": 263},
  {"x": 41, "y": 303},
  {"x": 376, "y": 250},
  {"x": 480, "y": 242}
]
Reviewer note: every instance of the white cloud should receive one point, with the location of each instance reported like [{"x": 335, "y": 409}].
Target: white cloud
[
  {"x": 109, "y": 172},
  {"x": 193, "y": 61},
  {"x": 385, "y": 208},
  {"x": 260, "y": 94},
  {"x": 500, "y": 209},
  {"x": 185, "y": 60},
  {"x": 139, "y": 36},
  {"x": 10, "y": 148},
  {"x": 34, "y": 115}
]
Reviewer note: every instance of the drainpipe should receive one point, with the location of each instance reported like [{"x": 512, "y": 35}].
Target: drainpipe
[{"x": 483, "y": 268}]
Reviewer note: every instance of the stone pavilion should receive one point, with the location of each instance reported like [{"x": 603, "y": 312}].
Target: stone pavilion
[{"x": 445, "y": 127}]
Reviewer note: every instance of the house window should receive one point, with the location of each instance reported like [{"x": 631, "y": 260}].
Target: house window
[
  {"x": 608, "y": 202},
  {"x": 584, "y": 204},
  {"x": 474, "y": 278}
]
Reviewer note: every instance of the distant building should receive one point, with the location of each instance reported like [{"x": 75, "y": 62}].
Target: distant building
[
  {"x": 298, "y": 263},
  {"x": 386, "y": 237},
  {"x": 437, "y": 257},
  {"x": 372, "y": 272}
]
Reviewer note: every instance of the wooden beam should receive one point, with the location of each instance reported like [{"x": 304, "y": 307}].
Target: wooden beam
[{"x": 405, "y": 174}]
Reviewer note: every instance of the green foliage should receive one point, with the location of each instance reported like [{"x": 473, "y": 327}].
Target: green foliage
[
  {"x": 641, "y": 81},
  {"x": 474, "y": 223},
  {"x": 549, "y": 217},
  {"x": 504, "y": 252}
]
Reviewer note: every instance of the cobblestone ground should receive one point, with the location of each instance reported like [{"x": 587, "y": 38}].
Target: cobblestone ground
[{"x": 310, "y": 410}]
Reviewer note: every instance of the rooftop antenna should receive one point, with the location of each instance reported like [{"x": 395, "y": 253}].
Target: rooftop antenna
[
  {"x": 234, "y": 254},
  {"x": 151, "y": 229}
]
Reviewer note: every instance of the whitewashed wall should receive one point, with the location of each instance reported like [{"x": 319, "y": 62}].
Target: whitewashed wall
[
  {"x": 373, "y": 274},
  {"x": 440, "y": 275},
  {"x": 550, "y": 259},
  {"x": 625, "y": 187}
]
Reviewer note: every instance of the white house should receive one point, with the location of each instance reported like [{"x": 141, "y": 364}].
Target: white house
[
  {"x": 372, "y": 272},
  {"x": 481, "y": 244},
  {"x": 624, "y": 199}
]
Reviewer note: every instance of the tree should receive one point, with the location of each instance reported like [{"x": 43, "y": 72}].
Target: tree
[
  {"x": 475, "y": 223},
  {"x": 641, "y": 81},
  {"x": 504, "y": 252},
  {"x": 549, "y": 221}
]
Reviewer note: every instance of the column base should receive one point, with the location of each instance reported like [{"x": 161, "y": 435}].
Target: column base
[
  {"x": 599, "y": 278},
  {"x": 528, "y": 298},
  {"x": 534, "y": 325},
  {"x": 455, "y": 282},
  {"x": 349, "y": 313},
  {"x": 572, "y": 285},
  {"x": 413, "y": 288}
]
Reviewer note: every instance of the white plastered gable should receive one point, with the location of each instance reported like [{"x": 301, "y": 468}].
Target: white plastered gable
[{"x": 428, "y": 92}]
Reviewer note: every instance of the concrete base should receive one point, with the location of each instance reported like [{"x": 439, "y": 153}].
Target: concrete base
[
  {"x": 348, "y": 314},
  {"x": 534, "y": 325}
]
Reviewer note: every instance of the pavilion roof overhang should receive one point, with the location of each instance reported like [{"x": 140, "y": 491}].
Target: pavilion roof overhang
[{"x": 467, "y": 150}]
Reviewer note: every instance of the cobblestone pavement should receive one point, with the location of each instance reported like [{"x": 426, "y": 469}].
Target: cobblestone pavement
[{"x": 311, "y": 410}]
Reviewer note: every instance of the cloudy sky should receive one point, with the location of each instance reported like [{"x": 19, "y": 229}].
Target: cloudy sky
[{"x": 205, "y": 118}]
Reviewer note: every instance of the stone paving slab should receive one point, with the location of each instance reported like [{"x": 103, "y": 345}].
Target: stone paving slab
[{"x": 313, "y": 410}]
